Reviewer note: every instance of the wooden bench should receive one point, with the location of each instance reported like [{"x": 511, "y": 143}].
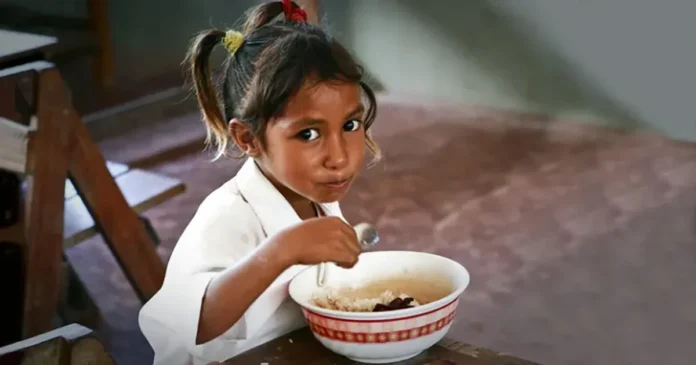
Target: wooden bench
[
  {"x": 46, "y": 142},
  {"x": 141, "y": 189},
  {"x": 90, "y": 34},
  {"x": 68, "y": 345}
]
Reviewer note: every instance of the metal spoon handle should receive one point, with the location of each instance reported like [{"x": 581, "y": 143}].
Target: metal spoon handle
[
  {"x": 367, "y": 237},
  {"x": 321, "y": 277}
]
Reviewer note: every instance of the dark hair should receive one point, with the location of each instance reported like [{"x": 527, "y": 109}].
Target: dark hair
[{"x": 274, "y": 61}]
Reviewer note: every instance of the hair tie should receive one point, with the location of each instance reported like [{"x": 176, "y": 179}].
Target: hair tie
[
  {"x": 292, "y": 13},
  {"x": 232, "y": 40}
]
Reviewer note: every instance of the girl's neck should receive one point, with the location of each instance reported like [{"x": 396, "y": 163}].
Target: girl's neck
[{"x": 304, "y": 207}]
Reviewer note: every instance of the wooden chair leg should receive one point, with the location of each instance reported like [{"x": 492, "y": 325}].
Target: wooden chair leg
[
  {"x": 61, "y": 146},
  {"x": 99, "y": 19},
  {"x": 120, "y": 226},
  {"x": 71, "y": 344},
  {"x": 49, "y": 151}
]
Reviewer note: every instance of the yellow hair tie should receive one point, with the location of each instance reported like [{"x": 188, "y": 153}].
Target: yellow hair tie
[{"x": 232, "y": 40}]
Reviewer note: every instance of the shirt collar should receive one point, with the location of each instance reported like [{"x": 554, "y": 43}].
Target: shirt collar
[{"x": 271, "y": 208}]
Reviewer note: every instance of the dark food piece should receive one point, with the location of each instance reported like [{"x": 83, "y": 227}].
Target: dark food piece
[{"x": 395, "y": 304}]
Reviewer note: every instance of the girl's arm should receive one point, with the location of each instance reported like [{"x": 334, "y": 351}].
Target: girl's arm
[{"x": 230, "y": 294}]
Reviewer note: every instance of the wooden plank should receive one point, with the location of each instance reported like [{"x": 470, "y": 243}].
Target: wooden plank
[
  {"x": 30, "y": 67},
  {"x": 71, "y": 344},
  {"x": 49, "y": 150},
  {"x": 146, "y": 189},
  {"x": 483, "y": 355},
  {"x": 301, "y": 348},
  {"x": 55, "y": 351},
  {"x": 17, "y": 95},
  {"x": 16, "y": 45},
  {"x": 69, "y": 333},
  {"x": 120, "y": 226},
  {"x": 61, "y": 144},
  {"x": 141, "y": 189},
  {"x": 99, "y": 20},
  {"x": 115, "y": 169},
  {"x": 14, "y": 141},
  {"x": 90, "y": 351}
]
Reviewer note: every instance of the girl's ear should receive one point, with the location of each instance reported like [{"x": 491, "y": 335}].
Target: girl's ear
[{"x": 244, "y": 138}]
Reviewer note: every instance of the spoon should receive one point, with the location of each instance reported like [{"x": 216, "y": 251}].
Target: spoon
[{"x": 367, "y": 238}]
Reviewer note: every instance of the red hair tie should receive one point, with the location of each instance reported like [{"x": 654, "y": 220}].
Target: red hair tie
[{"x": 295, "y": 14}]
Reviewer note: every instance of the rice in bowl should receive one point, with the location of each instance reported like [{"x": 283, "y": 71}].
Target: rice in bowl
[{"x": 382, "y": 295}]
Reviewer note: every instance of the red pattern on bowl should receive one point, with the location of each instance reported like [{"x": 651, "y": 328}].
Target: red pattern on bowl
[{"x": 384, "y": 330}]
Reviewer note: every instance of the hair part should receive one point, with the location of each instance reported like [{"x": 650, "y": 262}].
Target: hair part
[{"x": 276, "y": 59}]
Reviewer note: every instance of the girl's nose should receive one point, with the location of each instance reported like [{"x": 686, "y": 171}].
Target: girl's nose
[{"x": 336, "y": 156}]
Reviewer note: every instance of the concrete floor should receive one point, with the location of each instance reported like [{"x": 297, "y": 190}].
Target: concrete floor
[{"x": 580, "y": 241}]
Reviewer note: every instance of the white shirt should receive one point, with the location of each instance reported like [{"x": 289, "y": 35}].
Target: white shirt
[{"x": 230, "y": 223}]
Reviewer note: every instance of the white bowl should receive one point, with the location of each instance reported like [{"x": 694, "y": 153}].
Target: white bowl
[{"x": 381, "y": 337}]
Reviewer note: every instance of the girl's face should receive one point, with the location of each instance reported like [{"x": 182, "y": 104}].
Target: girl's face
[{"x": 315, "y": 150}]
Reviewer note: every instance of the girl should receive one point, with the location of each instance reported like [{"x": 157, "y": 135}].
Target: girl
[{"x": 291, "y": 102}]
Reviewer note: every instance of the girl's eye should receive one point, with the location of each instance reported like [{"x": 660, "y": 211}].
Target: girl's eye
[
  {"x": 352, "y": 125},
  {"x": 308, "y": 134}
]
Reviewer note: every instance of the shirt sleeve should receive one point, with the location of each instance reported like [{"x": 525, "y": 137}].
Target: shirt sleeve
[{"x": 222, "y": 233}]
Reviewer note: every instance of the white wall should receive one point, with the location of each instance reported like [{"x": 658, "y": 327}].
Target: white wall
[
  {"x": 467, "y": 52},
  {"x": 642, "y": 54},
  {"x": 622, "y": 62}
]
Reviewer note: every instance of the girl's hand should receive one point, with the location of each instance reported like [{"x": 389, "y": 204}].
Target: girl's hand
[{"x": 317, "y": 240}]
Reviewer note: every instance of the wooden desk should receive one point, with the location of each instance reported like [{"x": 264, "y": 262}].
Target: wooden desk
[
  {"x": 141, "y": 189},
  {"x": 72, "y": 344},
  {"x": 20, "y": 48},
  {"x": 73, "y": 35},
  {"x": 301, "y": 348},
  {"x": 56, "y": 146}
]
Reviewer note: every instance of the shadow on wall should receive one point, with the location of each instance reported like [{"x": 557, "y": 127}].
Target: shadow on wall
[{"x": 469, "y": 52}]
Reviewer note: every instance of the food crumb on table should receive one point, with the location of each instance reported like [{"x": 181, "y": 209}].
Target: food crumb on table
[{"x": 290, "y": 340}]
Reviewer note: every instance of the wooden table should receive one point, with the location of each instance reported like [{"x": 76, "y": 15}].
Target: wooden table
[
  {"x": 53, "y": 144},
  {"x": 301, "y": 348},
  {"x": 68, "y": 34},
  {"x": 17, "y": 47},
  {"x": 71, "y": 344},
  {"x": 142, "y": 190}
]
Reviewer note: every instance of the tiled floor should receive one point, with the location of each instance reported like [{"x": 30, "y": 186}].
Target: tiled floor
[{"x": 580, "y": 242}]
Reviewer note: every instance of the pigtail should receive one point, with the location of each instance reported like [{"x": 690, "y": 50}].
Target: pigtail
[
  {"x": 266, "y": 13},
  {"x": 198, "y": 59},
  {"x": 261, "y": 15}
]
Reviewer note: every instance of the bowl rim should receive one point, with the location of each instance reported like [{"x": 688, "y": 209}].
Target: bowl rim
[{"x": 391, "y": 315}]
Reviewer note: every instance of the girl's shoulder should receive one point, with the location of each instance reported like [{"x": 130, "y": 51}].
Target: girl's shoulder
[
  {"x": 223, "y": 224},
  {"x": 225, "y": 200},
  {"x": 226, "y": 207}
]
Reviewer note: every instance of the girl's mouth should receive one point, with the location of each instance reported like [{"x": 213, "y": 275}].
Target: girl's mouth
[{"x": 338, "y": 185}]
